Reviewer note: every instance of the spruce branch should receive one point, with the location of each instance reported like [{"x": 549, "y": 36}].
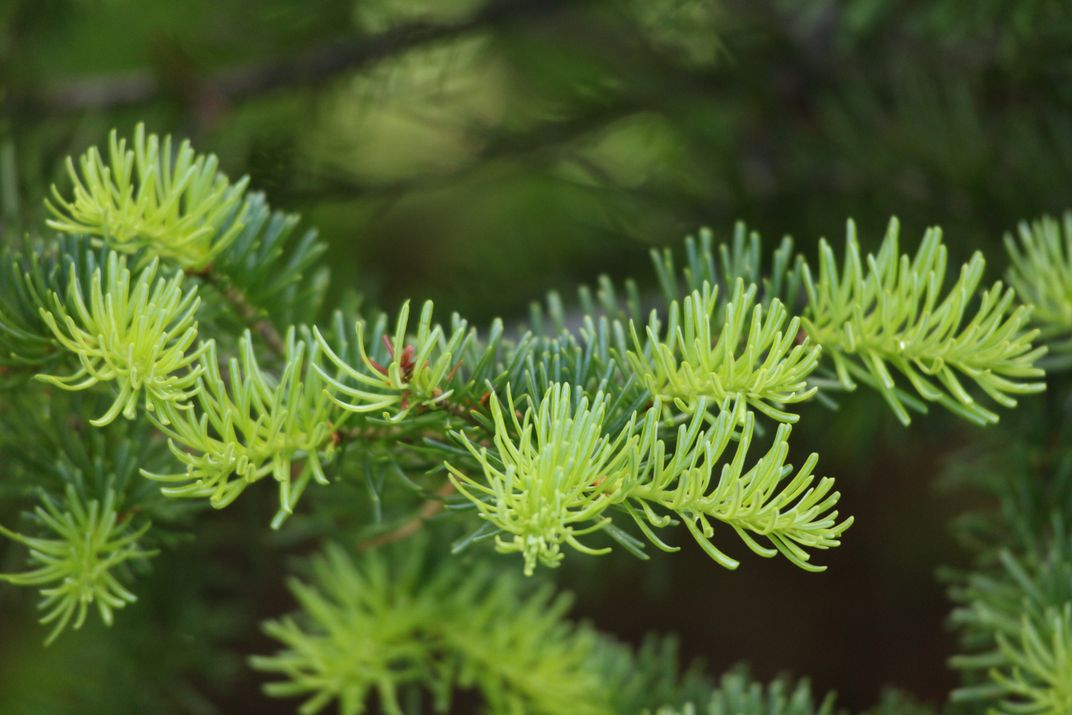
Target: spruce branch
[
  {"x": 271, "y": 273},
  {"x": 737, "y": 693},
  {"x": 561, "y": 437},
  {"x": 1040, "y": 677},
  {"x": 794, "y": 512},
  {"x": 741, "y": 258},
  {"x": 881, "y": 314},
  {"x": 27, "y": 344},
  {"x": 1016, "y": 626},
  {"x": 153, "y": 200},
  {"x": 642, "y": 678},
  {"x": 415, "y": 374},
  {"x": 558, "y": 475}
]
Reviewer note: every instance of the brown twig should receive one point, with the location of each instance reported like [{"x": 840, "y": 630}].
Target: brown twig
[
  {"x": 411, "y": 526},
  {"x": 249, "y": 314},
  {"x": 430, "y": 507}
]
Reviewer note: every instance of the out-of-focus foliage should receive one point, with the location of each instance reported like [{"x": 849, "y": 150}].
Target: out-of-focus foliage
[
  {"x": 1041, "y": 272},
  {"x": 1016, "y": 622},
  {"x": 83, "y": 563},
  {"x": 390, "y": 622},
  {"x": 737, "y": 693},
  {"x": 563, "y": 128}
]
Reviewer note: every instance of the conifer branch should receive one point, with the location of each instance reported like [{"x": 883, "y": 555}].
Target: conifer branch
[
  {"x": 755, "y": 354},
  {"x": 250, "y": 426},
  {"x": 175, "y": 204},
  {"x": 155, "y": 202},
  {"x": 385, "y": 621},
  {"x": 416, "y": 376},
  {"x": 559, "y": 438},
  {"x": 1016, "y": 622},
  {"x": 737, "y": 693}
]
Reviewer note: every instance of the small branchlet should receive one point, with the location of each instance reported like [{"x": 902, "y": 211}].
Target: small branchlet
[
  {"x": 738, "y": 693},
  {"x": 890, "y": 312},
  {"x": 555, "y": 476},
  {"x": 379, "y": 625},
  {"x": 1041, "y": 273},
  {"x": 1017, "y": 625},
  {"x": 559, "y": 474},
  {"x": 250, "y": 426}
]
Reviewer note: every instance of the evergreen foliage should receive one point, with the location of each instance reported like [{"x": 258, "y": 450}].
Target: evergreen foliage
[
  {"x": 754, "y": 356},
  {"x": 174, "y": 203},
  {"x": 25, "y": 341},
  {"x": 560, "y": 474},
  {"x": 410, "y": 378},
  {"x": 250, "y": 426}
]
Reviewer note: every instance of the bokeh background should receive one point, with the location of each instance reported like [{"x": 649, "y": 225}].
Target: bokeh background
[{"x": 483, "y": 152}]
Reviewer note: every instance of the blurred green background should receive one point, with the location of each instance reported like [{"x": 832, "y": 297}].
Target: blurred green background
[{"x": 482, "y": 152}]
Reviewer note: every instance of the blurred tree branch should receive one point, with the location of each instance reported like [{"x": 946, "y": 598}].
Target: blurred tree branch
[
  {"x": 660, "y": 84},
  {"x": 542, "y": 139},
  {"x": 316, "y": 66}
]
